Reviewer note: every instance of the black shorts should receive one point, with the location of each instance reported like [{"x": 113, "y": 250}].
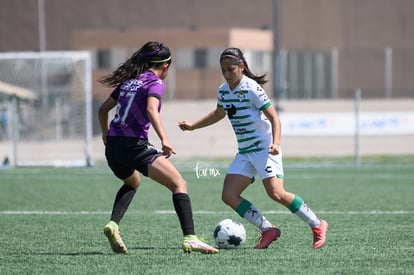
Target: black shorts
[{"x": 126, "y": 154}]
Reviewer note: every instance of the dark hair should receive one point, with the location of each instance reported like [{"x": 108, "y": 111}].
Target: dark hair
[
  {"x": 238, "y": 57},
  {"x": 151, "y": 55}
]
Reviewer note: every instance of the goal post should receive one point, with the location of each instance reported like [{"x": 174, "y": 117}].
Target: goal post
[{"x": 46, "y": 108}]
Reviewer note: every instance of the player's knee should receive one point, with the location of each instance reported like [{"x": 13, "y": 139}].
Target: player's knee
[
  {"x": 182, "y": 183},
  {"x": 228, "y": 198},
  {"x": 133, "y": 181},
  {"x": 224, "y": 197},
  {"x": 275, "y": 196},
  {"x": 179, "y": 186}
]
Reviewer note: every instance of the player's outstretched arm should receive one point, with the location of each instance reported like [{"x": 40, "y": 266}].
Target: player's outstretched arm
[
  {"x": 155, "y": 118},
  {"x": 211, "y": 118}
]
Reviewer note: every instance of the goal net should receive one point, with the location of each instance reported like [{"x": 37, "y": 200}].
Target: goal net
[{"x": 46, "y": 108}]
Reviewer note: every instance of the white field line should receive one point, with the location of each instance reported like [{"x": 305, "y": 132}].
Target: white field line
[{"x": 168, "y": 212}]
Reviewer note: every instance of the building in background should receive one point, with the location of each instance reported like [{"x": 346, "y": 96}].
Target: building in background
[
  {"x": 328, "y": 48},
  {"x": 195, "y": 73}
]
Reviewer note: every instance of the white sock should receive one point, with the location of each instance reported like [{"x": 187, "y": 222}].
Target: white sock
[
  {"x": 257, "y": 219},
  {"x": 307, "y": 215}
]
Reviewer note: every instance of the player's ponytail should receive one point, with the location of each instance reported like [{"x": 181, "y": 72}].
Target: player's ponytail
[
  {"x": 238, "y": 57},
  {"x": 152, "y": 54}
]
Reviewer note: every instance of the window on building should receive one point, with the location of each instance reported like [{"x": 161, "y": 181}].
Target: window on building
[
  {"x": 185, "y": 59},
  {"x": 200, "y": 58},
  {"x": 213, "y": 58},
  {"x": 259, "y": 61},
  {"x": 108, "y": 59},
  {"x": 118, "y": 56},
  {"x": 103, "y": 58},
  {"x": 307, "y": 74}
]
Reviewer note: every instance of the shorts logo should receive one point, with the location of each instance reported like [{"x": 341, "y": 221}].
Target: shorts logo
[{"x": 268, "y": 169}]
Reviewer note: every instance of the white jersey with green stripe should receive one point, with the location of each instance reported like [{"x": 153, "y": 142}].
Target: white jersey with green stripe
[{"x": 244, "y": 107}]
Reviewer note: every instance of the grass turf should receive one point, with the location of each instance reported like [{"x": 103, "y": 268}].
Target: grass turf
[{"x": 52, "y": 221}]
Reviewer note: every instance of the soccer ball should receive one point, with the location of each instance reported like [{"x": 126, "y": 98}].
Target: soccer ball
[{"x": 229, "y": 234}]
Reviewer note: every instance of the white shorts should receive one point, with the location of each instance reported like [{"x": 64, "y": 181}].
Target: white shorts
[{"x": 262, "y": 163}]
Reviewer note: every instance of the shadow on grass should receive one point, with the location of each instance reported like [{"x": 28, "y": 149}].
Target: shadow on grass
[
  {"x": 151, "y": 248},
  {"x": 180, "y": 249},
  {"x": 109, "y": 251},
  {"x": 94, "y": 253},
  {"x": 65, "y": 253}
]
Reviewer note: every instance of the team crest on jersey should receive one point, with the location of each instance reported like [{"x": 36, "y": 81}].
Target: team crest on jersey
[{"x": 241, "y": 95}]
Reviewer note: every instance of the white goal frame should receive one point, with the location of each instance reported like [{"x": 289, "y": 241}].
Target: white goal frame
[{"x": 55, "y": 147}]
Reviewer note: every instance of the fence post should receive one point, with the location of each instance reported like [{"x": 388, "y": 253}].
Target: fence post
[
  {"x": 15, "y": 128},
  {"x": 334, "y": 72},
  {"x": 357, "y": 102},
  {"x": 388, "y": 72}
]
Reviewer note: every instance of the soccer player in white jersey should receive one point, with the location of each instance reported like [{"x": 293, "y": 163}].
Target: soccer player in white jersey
[{"x": 257, "y": 127}]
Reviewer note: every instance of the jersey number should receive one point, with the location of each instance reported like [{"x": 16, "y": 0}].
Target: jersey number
[{"x": 121, "y": 115}]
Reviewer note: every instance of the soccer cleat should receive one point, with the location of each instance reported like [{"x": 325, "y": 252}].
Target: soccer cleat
[
  {"x": 319, "y": 234},
  {"x": 111, "y": 231},
  {"x": 193, "y": 243},
  {"x": 267, "y": 237}
]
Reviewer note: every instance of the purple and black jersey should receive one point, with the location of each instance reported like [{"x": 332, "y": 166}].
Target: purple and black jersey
[{"x": 131, "y": 119}]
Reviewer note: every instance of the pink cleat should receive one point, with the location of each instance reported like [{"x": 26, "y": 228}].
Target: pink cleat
[
  {"x": 319, "y": 234},
  {"x": 268, "y": 237}
]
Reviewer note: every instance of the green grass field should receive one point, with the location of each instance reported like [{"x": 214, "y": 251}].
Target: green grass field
[{"x": 51, "y": 222}]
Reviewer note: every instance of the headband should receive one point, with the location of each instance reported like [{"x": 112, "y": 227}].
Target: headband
[
  {"x": 231, "y": 56},
  {"x": 161, "y": 61}
]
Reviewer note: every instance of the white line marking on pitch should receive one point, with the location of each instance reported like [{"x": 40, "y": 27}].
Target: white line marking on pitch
[{"x": 164, "y": 212}]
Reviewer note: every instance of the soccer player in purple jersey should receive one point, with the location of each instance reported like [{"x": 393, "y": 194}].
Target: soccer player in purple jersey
[
  {"x": 256, "y": 125},
  {"x": 138, "y": 89}
]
